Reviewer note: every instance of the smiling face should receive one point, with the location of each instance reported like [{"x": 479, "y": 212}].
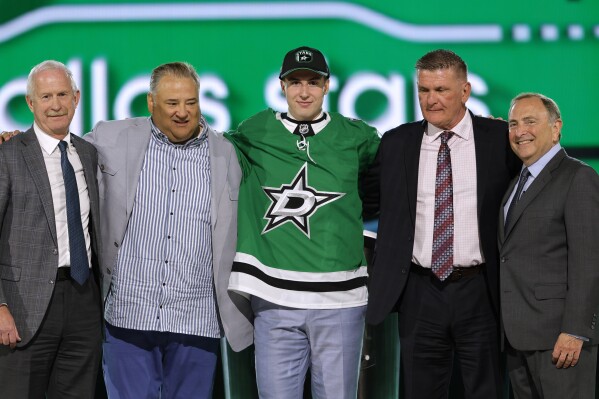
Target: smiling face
[
  {"x": 442, "y": 94},
  {"x": 532, "y": 132},
  {"x": 305, "y": 91},
  {"x": 175, "y": 108},
  {"x": 53, "y": 102}
]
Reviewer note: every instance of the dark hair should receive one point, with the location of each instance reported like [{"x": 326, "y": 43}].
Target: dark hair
[{"x": 442, "y": 59}]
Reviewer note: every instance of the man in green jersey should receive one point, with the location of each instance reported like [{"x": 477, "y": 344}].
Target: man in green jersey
[{"x": 300, "y": 248}]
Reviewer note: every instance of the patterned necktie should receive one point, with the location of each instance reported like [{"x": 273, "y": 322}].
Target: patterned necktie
[
  {"x": 521, "y": 182},
  {"x": 442, "y": 259},
  {"x": 77, "y": 247}
]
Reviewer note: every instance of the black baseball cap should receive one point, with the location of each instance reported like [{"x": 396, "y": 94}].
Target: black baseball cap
[{"x": 304, "y": 58}]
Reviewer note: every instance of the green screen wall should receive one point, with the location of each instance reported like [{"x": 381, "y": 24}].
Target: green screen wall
[{"x": 112, "y": 46}]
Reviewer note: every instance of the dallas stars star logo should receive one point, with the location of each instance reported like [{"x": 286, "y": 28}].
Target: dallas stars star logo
[{"x": 295, "y": 203}]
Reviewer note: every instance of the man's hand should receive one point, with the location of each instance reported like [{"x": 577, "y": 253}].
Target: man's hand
[
  {"x": 566, "y": 351},
  {"x": 5, "y": 136},
  {"x": 9, "y": 335}
]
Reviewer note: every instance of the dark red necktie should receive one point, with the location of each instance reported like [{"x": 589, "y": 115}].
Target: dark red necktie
[{"x": 442, "y": 259}]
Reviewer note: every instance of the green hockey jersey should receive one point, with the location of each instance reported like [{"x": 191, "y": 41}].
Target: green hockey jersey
[{"x": 300, "y": 240}]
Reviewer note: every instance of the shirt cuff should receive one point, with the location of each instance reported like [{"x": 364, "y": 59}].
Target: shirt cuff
[{"x": 585, "y": 339}]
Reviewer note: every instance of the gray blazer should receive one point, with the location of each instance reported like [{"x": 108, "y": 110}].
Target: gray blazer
[
  {"x": 28, "y": 243},
  {"x": 549, "y": 257},
  {"x": 121, "y": 149}
]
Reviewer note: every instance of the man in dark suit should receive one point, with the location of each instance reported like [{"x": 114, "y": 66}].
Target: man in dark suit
[
  {"x": 549, "y": 273},
  {"x": 441, "y": 183},
  {"x": 50, "y": 307}
]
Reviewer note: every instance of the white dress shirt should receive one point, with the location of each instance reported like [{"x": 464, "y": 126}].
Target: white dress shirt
[
  {"x": 466, "y": 245},
  {"x": 51, "y": 154}
]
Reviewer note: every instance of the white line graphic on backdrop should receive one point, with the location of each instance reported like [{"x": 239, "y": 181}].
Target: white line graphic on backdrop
[{"x": 248, "y": 11}]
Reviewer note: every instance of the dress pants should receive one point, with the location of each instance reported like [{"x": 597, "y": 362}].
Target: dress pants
[
  {"x": 534, "y": 376},
  {"x": 290, "y": 341},
  {"x": 438, "y": 320},
  {"x": 151, "y": 364},
  {"x": 62, "y": 359}
]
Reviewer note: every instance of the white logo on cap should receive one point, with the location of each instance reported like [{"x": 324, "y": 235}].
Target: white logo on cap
[{"x": 303, "y": 56}]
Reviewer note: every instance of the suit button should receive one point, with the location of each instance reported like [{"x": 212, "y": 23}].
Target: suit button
[
  {"x": 116, "y": 244},
  {"x": 503, "y": 259},
  {"x": 102, "y": 167},
  {"x": 55, "y": 251},
  {"x": 409, "y": 238},
  {"x": 404, "y": 271},
  {"x": 52, "y": 282},
  {"x": 108, "y": 271}
]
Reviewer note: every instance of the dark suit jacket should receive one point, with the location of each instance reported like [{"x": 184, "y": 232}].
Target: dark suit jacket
[
  {"x": 28, "y": 244},
  {"x": 397, "y": 169},
  {"x": 550, "y": 257}
]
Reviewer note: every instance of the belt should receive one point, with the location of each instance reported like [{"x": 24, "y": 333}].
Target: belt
[
  {"x": 457, "y": 273},
  {"x": 64, "y": 273}
]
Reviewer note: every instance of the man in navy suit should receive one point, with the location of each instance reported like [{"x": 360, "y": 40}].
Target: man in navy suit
[{"x": 441, "y": 181}]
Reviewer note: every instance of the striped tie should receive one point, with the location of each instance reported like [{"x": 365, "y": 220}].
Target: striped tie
[{"x": 442, "y": 259}]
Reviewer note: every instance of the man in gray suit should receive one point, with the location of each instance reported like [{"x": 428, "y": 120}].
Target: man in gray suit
[
  {"x": 168, "y": 199},
  {"x": 50, "y": 308},
  {"x": 549, "y": 273}
]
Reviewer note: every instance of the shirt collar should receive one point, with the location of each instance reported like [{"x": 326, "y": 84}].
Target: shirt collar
[
  {"x": 536, "y": 168},
  {"x": 463, "y": 129},
  {"x": 47, "y": 142},
  {"x": 195, "y": 142},
  {"x": 289, "y": 125}
]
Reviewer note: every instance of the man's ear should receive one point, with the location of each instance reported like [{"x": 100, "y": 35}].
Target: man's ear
[
  {"x": 282, "y": 86},
  {"x": 150, "y": 101},
  {"x": 29, "y": 101},
  {"x": 556, "y": 130}
]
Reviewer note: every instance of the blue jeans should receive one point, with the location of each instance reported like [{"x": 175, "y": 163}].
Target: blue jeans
[{"x": 151, "y": 364}]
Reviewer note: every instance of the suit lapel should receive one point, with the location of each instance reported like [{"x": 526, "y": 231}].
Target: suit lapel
[
  {"x": 34, "y": 159},
  {"x": 534, "y": 189},
  {"x": 218, "y": 174},
  {"x": 506, "y": 196},
  {"x": 482, "y": 148},
  {"x": 411, "y": 158},
  {"x": 89, "y": 166},
  {"x": 89, "y": 170},
  {"x": 137, "y": 140}
]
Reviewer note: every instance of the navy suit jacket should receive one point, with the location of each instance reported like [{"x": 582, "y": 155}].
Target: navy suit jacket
[{"x": 393, "y": 184}]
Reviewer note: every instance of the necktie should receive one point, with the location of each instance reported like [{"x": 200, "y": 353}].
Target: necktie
[
  {"x": 77, "y": 248},
  {"x": 442, "y": 259},
  {"x": 521, "y": 182}
]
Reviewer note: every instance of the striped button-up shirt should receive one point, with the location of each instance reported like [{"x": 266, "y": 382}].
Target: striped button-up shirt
[{"x": 162, "y": 279}]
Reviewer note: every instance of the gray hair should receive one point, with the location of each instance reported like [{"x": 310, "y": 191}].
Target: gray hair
[
  {"x": 178, "y": 69},
  {"x": 549, "y": 104},
  {"x": 45, "y": 66},
  {"x": 443, "y": 59}
]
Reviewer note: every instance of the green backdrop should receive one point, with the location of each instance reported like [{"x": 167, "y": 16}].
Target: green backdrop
[
  {"x": 112, "y": 46},
  {"x": 510, "y": 46}
]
